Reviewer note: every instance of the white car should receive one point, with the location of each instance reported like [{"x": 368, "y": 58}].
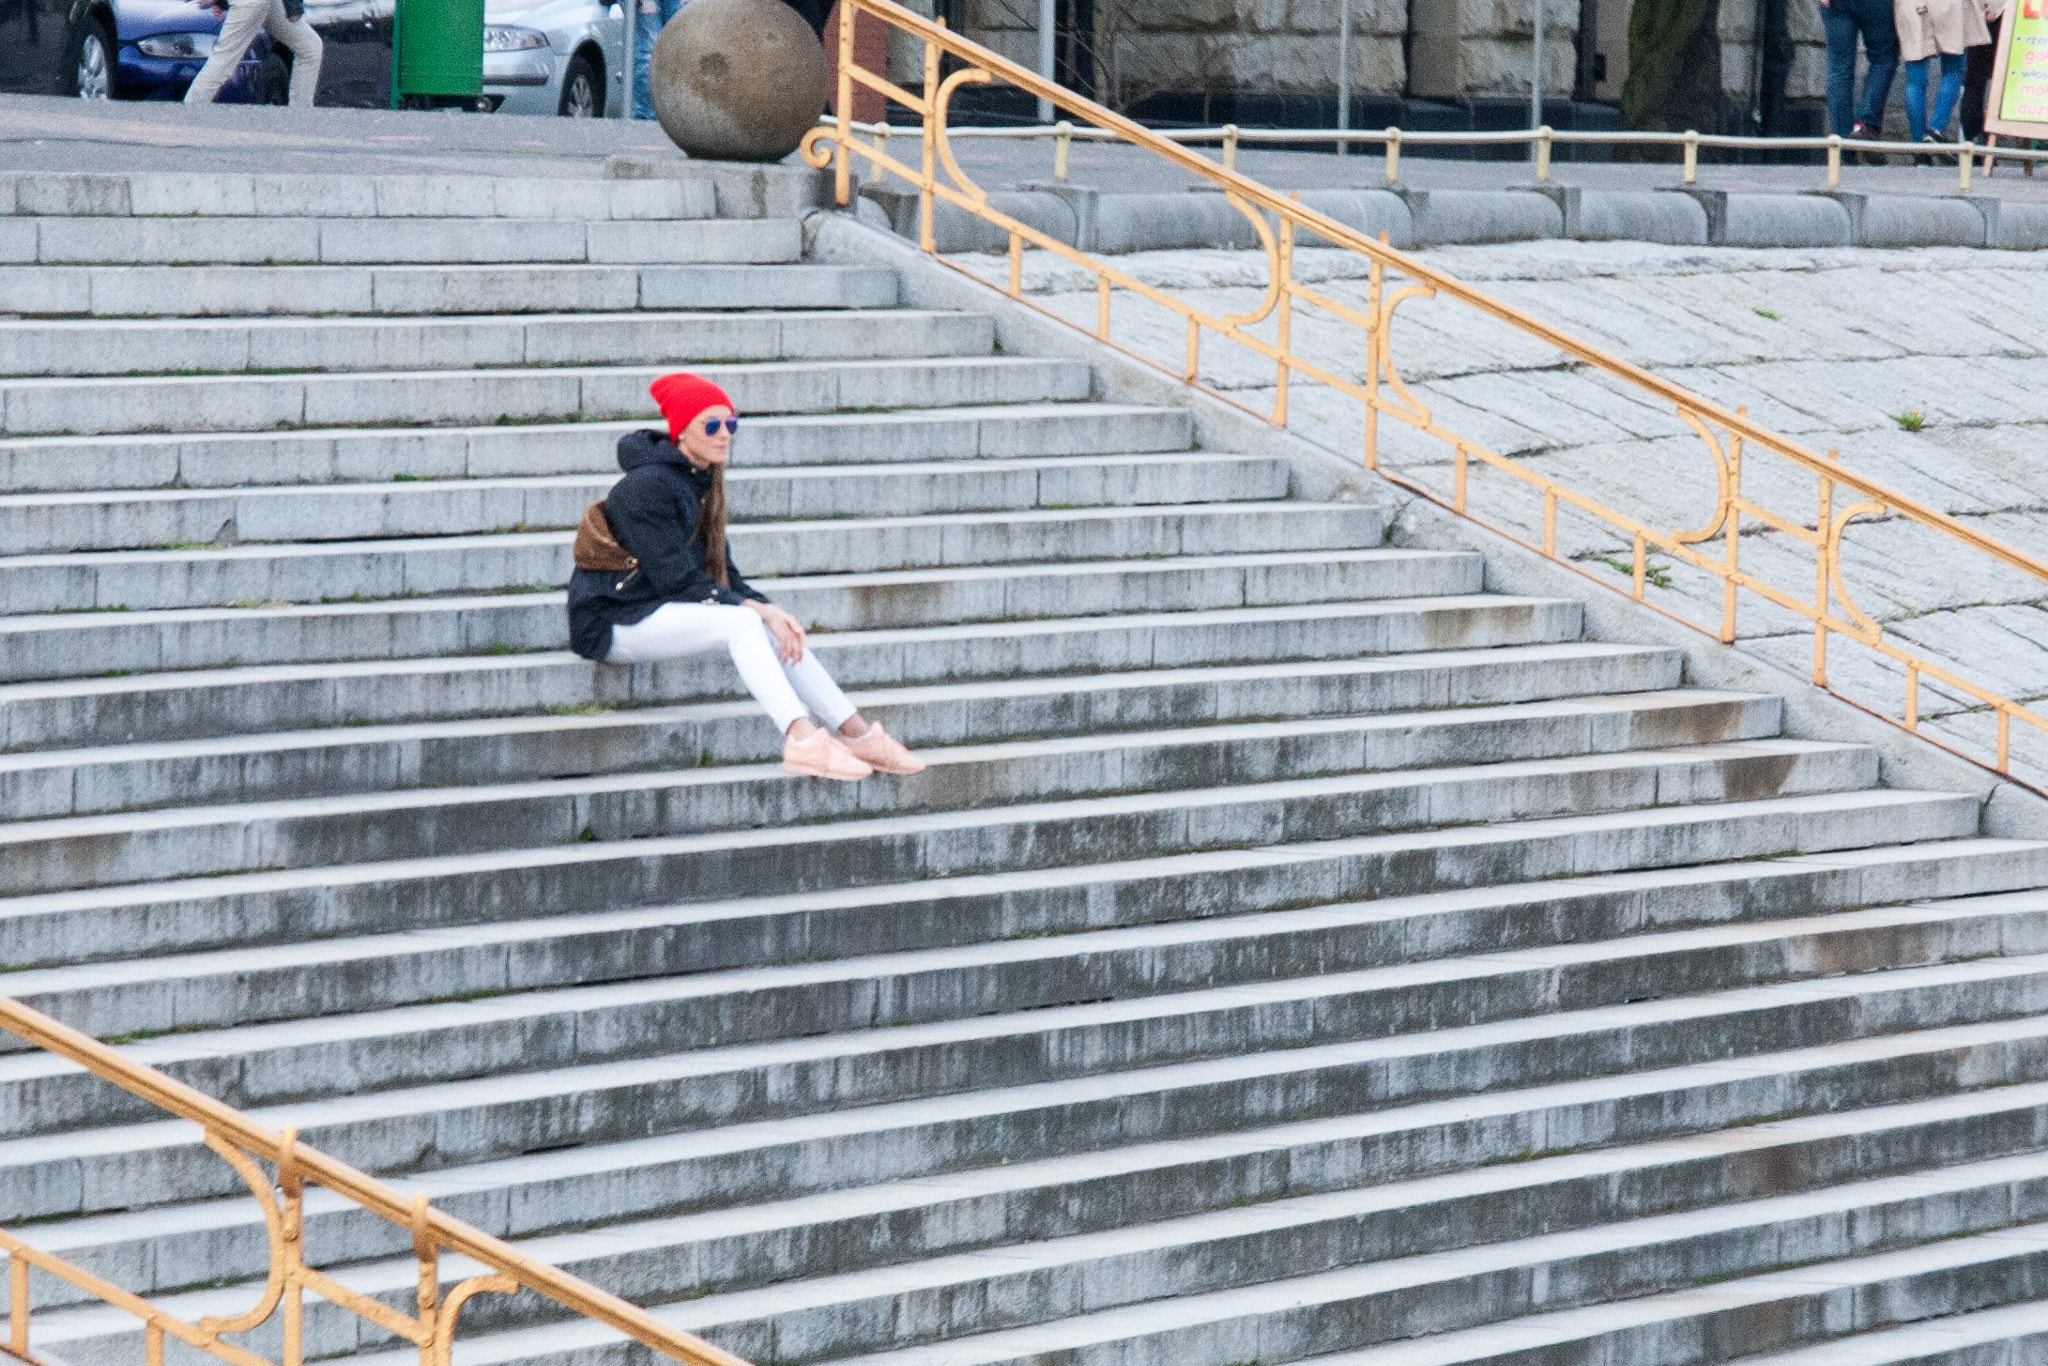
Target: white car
[{"x": 554, "y": 57}]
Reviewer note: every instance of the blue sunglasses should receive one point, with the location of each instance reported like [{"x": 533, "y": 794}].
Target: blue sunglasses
[{"x": 712, "y": 424}]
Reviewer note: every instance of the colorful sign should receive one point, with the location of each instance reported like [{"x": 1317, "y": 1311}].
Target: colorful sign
[{"x": 2019, "y": 84}]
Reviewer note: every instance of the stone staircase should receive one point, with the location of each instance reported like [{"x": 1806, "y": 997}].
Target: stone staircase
[{"x": 1293, "y": 951}]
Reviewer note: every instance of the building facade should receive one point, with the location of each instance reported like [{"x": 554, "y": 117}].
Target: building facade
[{"x": 1419, "y": 63}]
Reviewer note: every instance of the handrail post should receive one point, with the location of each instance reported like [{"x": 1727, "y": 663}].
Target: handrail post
[
  {"x": 1393, "y": 156},
  {"x": 1963, "y": 160},
  {"x": 1229, "y": 146},
  {"x": 1543, "y": 154},
  {"x": 1692, "y": 155},
  {"x": 1834, "y": 161},
  {"x": 1062, "y": 142},
  {"x": 842, "y": 172}
]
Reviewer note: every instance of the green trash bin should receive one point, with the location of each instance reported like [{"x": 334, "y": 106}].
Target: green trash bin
[{"x": 437, "y": 53}]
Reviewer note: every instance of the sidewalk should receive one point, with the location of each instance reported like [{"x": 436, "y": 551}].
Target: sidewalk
[{"x": 49, "y": 134}]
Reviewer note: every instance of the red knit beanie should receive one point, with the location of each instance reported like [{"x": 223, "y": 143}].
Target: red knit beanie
[{"x": 681, "y": 397}]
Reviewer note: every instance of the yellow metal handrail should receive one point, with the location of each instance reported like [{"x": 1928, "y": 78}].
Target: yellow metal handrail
[
  {"x": 1730, "y": 439},
  {"x": 243, "y": 1143},
  {"x": 1539, "y": 140}
]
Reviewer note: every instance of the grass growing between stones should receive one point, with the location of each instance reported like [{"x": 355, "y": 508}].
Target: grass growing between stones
[
  {"x": 1656, "y": 575},
  {"x": 1912, "y": 420},
  {"x": 576, "y": 709}
]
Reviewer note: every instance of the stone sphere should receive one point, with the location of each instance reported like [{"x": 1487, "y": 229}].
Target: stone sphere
[{"x": 738, "y": 80}]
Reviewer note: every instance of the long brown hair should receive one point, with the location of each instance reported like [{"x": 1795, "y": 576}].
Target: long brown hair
[{"x": 711, "y": 527}]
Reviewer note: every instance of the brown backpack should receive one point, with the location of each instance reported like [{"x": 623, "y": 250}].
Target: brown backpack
[{"x": 596, "y": 547}]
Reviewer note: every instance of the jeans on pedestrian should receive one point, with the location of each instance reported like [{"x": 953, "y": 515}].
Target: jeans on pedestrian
[
  {"x": 653, "y": 16},
  {"x": 1951, "y": 90},
  {"x": 238, "y": 30},
  {"x": 1844, "y": 20}
]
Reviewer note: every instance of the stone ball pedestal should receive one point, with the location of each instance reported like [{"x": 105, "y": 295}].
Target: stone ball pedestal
[{"x": 738, "y": 80}]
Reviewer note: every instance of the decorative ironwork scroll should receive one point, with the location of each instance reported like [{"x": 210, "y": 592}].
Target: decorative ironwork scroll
[{"x": 280, "y": 1193}]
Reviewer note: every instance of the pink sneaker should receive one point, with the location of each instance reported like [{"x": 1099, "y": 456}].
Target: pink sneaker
[
  {"x": 884, "y": 752},
  {"x": 819, "y": 755}
]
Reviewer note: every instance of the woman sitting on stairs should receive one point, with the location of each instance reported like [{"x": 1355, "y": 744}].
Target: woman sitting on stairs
[{"x": 654, "y": 580}]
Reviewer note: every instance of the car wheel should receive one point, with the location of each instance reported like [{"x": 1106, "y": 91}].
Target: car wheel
[
  {"x": 92, "y": 62},
  {"x": 274, "y": 81},
  {"x": 580, "y": 87}
]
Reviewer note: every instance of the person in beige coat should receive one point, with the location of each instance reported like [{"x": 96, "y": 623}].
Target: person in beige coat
[{"x": 1929, "y": 29}]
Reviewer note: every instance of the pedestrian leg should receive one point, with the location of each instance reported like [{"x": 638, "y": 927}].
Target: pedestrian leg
[
  {"x": 237, "y": 31},
  {"x": 1916, "y": 98},
  {"x": 1945, "y": 98},
  {"x": 651, "y": 16},
  {"x": 1977, "y": 83},
  {"x": 1841, "y": 31},
  {"x": 1881, "y": 47},
  {"x": 819, "y": 693},
  {"x": 306, "y": 48}
]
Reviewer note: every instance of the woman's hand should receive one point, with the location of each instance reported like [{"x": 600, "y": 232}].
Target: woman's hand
[{"x": 789, "y": 637}]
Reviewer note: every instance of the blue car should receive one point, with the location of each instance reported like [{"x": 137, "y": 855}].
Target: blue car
[
  {"x": 125, "y": 49},
  {"x": 151, "y": 50}
]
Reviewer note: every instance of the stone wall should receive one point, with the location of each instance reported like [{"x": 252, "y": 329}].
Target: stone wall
[
  {"x": 1278, "y": 47},
  {"x": 1430, "y": 49},
  {"x": 1808, "y": 79},
  {"x": 1481, "y": 47}
]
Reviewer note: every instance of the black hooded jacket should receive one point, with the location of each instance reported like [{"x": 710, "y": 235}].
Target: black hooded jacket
[{"x": 654, "y": 512}]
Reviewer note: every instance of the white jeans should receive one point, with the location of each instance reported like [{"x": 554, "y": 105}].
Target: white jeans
[
  {"x": 238, "y": 30},
  {"x": 675, "y": 629}
]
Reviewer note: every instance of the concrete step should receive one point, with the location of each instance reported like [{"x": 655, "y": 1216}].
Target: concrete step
[
  {"x": 418, "y": 506},
  {"x": 292, "y": 905},
  {"x": 808, "y": 1226},
  {"x": 798, "y": 562},
  {"x": 211, "y": 403},
  {"x": 929, "y": 1228},
  {"x": 343, "y": 455},
  {"x": 1808, "y": 1309},
  {"x": 1208, "y": 1110},
  {"x": 118, "y": 241},
  {"x": 771, "y": 550},
  {"x": 63, "y": 523},
  {"x": 157, "y": 708},
  {"x": 1193, "y": 606},
  {"x": 202, "y": 195},
  {"x": 2011, "y": 1335},
  {"x": 225, "y": 346},
  {"x": 122, "y": 291},
  {"x": 1190, "y": 975},
  {"x": 1185, "y": 1054},
  {"x": 149, "y": 992},
  {"x": 1847, "y": 1273},
  {"x": 1292, "y": 950},
  {"x": 256, "y": 767},
  {"x": 1039, "y": 801}
]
